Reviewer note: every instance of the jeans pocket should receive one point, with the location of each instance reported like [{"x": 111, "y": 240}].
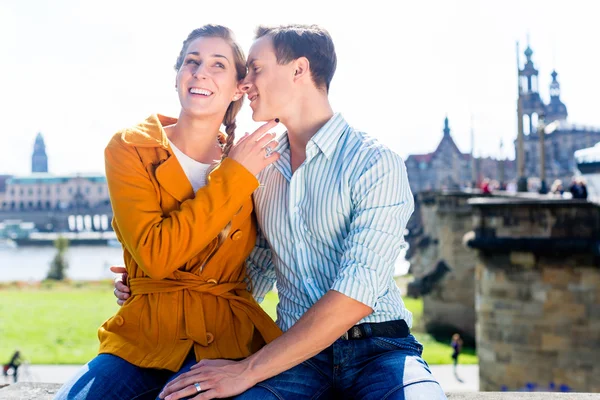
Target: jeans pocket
[{"x": 408, "y": 344}]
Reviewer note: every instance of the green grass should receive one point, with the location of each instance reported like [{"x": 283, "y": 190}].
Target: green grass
[{"x": 56, "y": 323}]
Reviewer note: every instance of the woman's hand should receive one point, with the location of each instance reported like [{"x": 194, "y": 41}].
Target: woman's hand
[
  {"x": 121, "y": 291},
  {"x": 255, "y": 151}
]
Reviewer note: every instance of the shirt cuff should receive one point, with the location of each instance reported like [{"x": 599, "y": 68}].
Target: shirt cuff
[{"x": 357, "y": 289}]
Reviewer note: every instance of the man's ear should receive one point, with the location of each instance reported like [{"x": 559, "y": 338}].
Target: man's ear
[{"x": 301, "y": 68}]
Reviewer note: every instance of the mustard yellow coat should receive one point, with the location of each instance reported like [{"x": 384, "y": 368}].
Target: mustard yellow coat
[{"x": 184, "y": 293}]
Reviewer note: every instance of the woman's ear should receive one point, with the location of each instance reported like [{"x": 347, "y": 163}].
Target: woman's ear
[
  {"x": 239, "y": 92},
  {"x": 238, "y": 95}
]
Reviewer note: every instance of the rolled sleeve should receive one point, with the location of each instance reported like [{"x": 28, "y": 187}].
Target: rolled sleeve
[
  {"x": 260, "y": 269},
  {"x": 382, "y": 204}
]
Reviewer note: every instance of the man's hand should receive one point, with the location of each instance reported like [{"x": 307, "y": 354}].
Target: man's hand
[
  {"x": 217, "y": 379},
  {"x": 121, "y": 291}
]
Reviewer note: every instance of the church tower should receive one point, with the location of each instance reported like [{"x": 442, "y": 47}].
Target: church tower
[
  {"x": 39, "y": 159},
  {"x": 556, "y": 109},
  {"x": 531, "y": 103}
]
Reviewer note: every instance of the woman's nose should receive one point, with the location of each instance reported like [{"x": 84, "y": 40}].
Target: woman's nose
[{"x": 200, "y": 71}]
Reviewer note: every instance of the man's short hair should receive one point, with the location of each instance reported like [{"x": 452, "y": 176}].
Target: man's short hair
[{"x": 311, "y": 41}]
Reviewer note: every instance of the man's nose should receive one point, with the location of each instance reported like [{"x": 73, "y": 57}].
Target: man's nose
[{"x": 245, "y": 86}]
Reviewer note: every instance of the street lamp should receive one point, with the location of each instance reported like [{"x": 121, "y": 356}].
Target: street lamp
[{"x": 542, "y": 138}]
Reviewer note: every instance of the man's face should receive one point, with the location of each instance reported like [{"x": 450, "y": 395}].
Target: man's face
[{"x": 269, "y": 85}]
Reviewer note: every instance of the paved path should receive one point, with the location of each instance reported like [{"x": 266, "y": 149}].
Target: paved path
[{"x": 469, "y": 374}]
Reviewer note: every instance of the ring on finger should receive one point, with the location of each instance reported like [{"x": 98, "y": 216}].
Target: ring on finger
[
  {"x": 198, "y": 388},
  {"x": 268, "y": 151}
]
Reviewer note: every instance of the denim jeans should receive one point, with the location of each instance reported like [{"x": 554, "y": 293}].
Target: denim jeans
[
  {"x": 375, "y": 368},
  {"x": 110, "y": 377}
]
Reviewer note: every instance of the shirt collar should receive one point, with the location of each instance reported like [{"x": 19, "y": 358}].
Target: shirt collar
[
  {"x": 326, "y": 139},
  {"x": 328, "y": 136}
]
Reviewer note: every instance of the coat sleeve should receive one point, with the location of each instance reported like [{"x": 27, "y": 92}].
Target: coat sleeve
[{"x": 161, "y": 243}]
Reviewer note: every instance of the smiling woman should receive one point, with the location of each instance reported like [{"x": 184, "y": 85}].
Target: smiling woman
[{"x": 181, "y": 196}]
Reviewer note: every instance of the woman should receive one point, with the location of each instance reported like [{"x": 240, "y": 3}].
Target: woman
[{"x": 185, "y": 232}]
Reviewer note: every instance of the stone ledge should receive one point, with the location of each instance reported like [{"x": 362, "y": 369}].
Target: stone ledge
[
  {"x": 29, "y": 390},
  {"x": 46, "y": 391}
]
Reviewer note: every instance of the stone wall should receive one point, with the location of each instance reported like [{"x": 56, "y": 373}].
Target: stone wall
[
  {"x": 537, "y": 293},
  {"x": 449, "y": 306}
]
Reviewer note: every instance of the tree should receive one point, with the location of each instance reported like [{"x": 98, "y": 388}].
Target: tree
[{"x": 59, "y": 264}]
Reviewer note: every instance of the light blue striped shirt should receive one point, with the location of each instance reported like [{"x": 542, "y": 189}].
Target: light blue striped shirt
[{"x": 336, "y": 224}]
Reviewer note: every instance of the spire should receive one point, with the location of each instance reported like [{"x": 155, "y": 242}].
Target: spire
[
  {"x": 556, "y": 109},
  {"x": 528, "y": 53},
  {"x": 554, "y": 85},
  {"x": 39, "y": 159},
  {"x": 446, "y": 127}
]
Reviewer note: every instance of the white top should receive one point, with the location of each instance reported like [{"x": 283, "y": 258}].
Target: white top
[{"x": 195, "y": 171}]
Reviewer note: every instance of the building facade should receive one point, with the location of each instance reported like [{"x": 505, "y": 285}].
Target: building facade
[
  {"x": 49, "y": 200},
  {"x": 447, "y": 168},
  {"x": 55, "y": 192}
]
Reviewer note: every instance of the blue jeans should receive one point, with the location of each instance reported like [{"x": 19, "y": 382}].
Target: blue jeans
[
  {"x": 375, "y": 368},
  {"x": 110, "y": 377}
]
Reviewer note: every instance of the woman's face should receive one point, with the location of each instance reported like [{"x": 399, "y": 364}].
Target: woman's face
[{"x": 207, "y": 79}]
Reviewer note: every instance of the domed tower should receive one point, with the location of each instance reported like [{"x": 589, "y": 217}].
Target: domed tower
[
  {"x": 556, "y": 109},
  {"x": 531, "y": 103},
  {"x": 39, "y": 159}
]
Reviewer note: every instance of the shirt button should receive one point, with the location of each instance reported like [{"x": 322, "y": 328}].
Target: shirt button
[
  {"x": 309, "y": 280},
  {"x": 237, "y": 235},
  {"x": 210, "y": 337},
  {"x": 119, "y": 320},
  {"x": 296, "y": 209}
]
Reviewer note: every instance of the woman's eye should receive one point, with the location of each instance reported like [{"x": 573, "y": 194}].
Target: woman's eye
[
  {"x": 219, "y": 65},
  {"x": 190, "y": 61}
]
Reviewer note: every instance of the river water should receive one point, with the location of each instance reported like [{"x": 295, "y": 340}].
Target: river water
[{"x": 85, "y": 262}]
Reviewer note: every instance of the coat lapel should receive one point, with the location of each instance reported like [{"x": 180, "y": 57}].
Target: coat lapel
[{"x": 171, "y": 177}]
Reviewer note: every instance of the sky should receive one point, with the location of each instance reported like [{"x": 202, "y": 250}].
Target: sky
[{"x": 78, "y": 71}]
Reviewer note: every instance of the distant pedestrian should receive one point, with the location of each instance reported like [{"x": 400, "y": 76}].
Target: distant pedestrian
[
  {"x": 578, "y": 189},
  {"x": 486, "y": 187},
  {"x": 456, "y": 348},
  {"x": 13, "y": 365},
  {"x": 557, "y": 187}
]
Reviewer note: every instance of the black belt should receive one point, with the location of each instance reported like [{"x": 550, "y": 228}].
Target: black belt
[{"x": 396, "y": 329}]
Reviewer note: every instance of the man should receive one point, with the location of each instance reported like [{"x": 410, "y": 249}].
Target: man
[{"x": 332, "y": 211}]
